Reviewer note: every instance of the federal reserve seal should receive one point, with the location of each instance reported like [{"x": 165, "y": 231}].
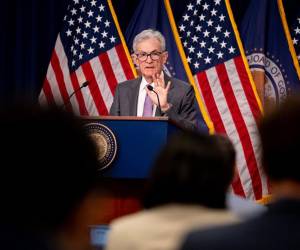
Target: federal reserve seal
[
  {"x": 276, "y": 83},
  {"x": 105, "y": 142}
]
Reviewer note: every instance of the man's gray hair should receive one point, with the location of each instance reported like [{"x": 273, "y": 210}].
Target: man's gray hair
[{"x": 147, "y": 34}]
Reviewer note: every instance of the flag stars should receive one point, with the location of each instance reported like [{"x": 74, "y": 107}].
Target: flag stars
[
  {"x": 104, "y": 34},
  {"x": 78, "y": 30},
  {"x": 82, "y": 45},
  {"x": 295, "y": 41},
  {"x": 74, "y": 12},
  {"x": 202, "y": 44},
  {"x": 84, "y": 34},
  {"x": 69, "y": 32},
  {"x": 199, "y": 54},
  {"x": 217, "y": 2},
  {"x": 93, "y": 3},
  {"x": 186, "y": 17},
  {"x": 220, "y": 55},
  {"x": 87, "y": 24},
  {"x": 191, "y": 49},
  {"x": 80, "y": 56},
  {"x": 76, "y": 41},
  {"x": 91, "y": 50},
  {"x": 198, "y": 28},
  {"x": 80, "y": 19},
  {"x": 297, "y": 30},
  {"x": 96, "y": 29},
  {"x": 214, "y": 39},
  {"x": 74, "y": 52},
  {"x": 223, "y": 44},
  {"x": 71, "y": 22},
  {"x": 209, "y": 23},
  {"x": 99, "y": 18},
  {"x": 188, "y": 34},
  {"x": 211, "y": 50},
  {"x": 76, "y": 1},
  {"x": 226, "y": 33},
  {"x": 190, "y": 6},
  {"x": 195, "y": 12},
  {"x": 112, "y": 39},
  {"x": 231, "y": 50},
  {"x": 218, "y": 28},
  {"x": 182, "y": 27},
  {"x": 189, "y": 60},
  {"x": 213, "y": 12},
  {"x": 222, "y": 18},
  {"x": 195, "y": 39},
  {"x": 90, "y": 13},
  {"x": 207, "y": 60},
  {"x": 206, "y": 33},
  {"x": 198, "y": 2},
  {"x": 205, "y": 6},
  {"x": 201, "y": 17},
  {"x": 93, "y": 39},
  {"x": 82, "y": 9},
  {"x": 101, "y": 7},
  {"x": 107, "y": 23},
  {"x": 185, "y": 44},
  {"x": 196, "y": 65},
  {"x": 101, "y": 45}
]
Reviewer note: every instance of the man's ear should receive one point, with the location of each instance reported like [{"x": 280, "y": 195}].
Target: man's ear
[
  {"x": 165, "y": 57},
  {"x": 134, "y": 59}
]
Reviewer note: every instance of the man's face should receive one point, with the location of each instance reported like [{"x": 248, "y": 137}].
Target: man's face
[{"x": 149, "y": 58}]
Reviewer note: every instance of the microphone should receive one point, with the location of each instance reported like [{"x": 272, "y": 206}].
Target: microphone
[
  {"x": 86, "y": 83},
  {"x": 149, "y": 87}
]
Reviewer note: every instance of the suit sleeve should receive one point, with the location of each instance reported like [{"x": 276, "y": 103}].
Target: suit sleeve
[
  {"x": 115, "y": 107},
  {"x": 186, "y": 115}
]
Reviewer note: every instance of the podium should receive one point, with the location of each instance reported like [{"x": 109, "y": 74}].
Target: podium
[{"x": 139, "y": 140}]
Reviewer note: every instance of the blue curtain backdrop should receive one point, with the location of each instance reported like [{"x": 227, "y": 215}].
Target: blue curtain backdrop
[{"x": 29, "y": 29}]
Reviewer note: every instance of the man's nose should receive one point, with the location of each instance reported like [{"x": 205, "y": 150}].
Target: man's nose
[{"x": 149, "y": 59}]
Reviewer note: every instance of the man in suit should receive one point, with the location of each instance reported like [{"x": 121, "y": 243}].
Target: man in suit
[
  {"x": 177, "y": 98},
  {"x": 277, "y": 228}
]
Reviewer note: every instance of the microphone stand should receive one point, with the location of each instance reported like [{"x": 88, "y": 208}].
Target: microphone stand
[
  {"x": 86, "y": 83},
  {"x": 149, "y": 87}
]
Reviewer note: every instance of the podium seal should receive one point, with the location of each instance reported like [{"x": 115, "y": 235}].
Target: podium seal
[{"x": 105, "y": 142}]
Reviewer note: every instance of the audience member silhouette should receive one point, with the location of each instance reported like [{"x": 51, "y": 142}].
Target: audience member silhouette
[
  {"x": 187, "y": 188},
  {"x": 49, "y": 168},
  {"x": 278, "y": 227}
]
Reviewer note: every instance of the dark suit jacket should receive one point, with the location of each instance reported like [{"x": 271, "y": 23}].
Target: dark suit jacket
[
  {"x": 181, "y": 95},
  {"x": 277, "y": 229}
]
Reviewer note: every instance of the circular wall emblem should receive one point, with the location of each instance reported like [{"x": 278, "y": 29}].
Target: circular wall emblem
[
  {"x": 105, "y": 142},
  {"x": 276, "y": 82}
]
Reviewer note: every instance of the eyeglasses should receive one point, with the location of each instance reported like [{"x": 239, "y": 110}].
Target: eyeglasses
[{"x": 143, "y": 56}]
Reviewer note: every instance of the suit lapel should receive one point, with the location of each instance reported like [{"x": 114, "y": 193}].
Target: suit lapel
[{"x": 133, "y": 96}]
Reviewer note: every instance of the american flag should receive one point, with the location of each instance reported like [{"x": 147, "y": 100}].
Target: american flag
[
  {"x": 90, "y": 47},
  {"x": 295, "y": 32},
  {"x": 214, "y": 56}
]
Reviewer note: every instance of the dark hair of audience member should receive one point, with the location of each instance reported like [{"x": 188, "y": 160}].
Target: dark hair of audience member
[
  {"x": 192, "y": 169},
  {"x": 280, "y": 137},
  {"x": 48, "y": 165}
]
